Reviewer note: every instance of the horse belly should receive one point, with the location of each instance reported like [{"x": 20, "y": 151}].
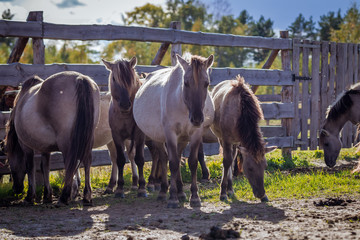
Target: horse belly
[
  {"x": 34, "y": 132},
  {"x": 147, "y": 114}
]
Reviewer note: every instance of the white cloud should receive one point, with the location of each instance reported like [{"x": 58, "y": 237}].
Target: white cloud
[{"x": 91, "y": 12}]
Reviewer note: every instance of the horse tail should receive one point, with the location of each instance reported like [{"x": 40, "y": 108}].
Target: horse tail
[
  {"x": 248, "y": 122},
  {"x": 11, "y": 137},
  {"x": 83, "y": 128}
]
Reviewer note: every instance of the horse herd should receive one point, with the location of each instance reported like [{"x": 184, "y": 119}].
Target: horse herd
[{"x": 166, "y": 110}]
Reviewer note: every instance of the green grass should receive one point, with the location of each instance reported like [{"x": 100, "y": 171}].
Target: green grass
[{"x": 294, "y": 178}]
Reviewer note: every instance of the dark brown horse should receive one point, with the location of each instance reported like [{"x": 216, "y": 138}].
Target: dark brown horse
[
  {"x": 124, "y": 83},
  {"x": 58, "y": 114},
  {"x": 237, "y": 116}
]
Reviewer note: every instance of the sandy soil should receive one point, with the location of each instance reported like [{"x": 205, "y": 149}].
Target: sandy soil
[{"x": 112, "y": 218}]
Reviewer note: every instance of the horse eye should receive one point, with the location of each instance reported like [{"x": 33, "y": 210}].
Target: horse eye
[{"x": 326, "y": 144}]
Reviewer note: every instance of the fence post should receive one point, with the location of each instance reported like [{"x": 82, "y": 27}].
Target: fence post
[
  {"x": 175, "y": 48},
  {"x": 38, "y": 43},
  {"x": 286, "y": 93}
]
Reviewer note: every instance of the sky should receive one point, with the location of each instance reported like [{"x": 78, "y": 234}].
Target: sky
[{"x": 281, "y": 12}]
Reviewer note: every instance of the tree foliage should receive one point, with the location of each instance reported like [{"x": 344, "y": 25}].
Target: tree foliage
[{"x": 349, "y": 30}]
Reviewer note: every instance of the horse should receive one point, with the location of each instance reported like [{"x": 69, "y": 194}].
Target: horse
[
  {"x": 343, "y": 109},
  {"x": 236, "y": 122},
  {"x": 123, "y": 84},
  {"x": 102, "y": 136},
  {"x": 56, "y": 114},
  {"x": 173, "y": 107}
]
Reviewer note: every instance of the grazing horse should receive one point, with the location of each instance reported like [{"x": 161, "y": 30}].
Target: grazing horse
[
  {"x": 173, "y": 106},
  {"x": 344, "y": 109},
  {"x": 123, "y": 84},
  {"x": 56, "y": 114},
  {"x": 237, "y": 116}
]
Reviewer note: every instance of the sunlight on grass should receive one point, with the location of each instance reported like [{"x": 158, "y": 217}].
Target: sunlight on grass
[{"x": 280, "y": 179}]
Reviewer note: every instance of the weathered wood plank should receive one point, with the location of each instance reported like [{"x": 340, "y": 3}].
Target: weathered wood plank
[
  {"x": 305, "y": 107},
  {"x": 14, "y": 74},
  {"x": 175, "y": 47},
  {"x": 295, "y": 69},
  {"x": 315, "y": 97},
  {"x": 332, "y": 73},
  {"x": 273, "y": 131},
  {"x": 324, "y": 79},
  {"x": 278, "y": 110},
  {"x": 287, "y": 94},
  {"x": 269, "y": 98},
  {"x": 111, "y": 32}
]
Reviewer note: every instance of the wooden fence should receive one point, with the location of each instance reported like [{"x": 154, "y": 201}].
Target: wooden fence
[{"x": 299, "y": 101}]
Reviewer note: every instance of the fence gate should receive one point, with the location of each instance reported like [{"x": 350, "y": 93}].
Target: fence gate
[{"x": 322, "y": 71}]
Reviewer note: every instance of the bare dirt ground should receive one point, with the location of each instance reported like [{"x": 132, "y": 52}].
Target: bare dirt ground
[{"x": 111, "y": 218}]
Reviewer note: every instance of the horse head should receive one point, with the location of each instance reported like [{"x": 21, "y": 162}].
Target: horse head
[
  {"x": 254, "y": 171},
  {"x": 331, "y": 145},
  {"x": 195, "y": 85},
  {"x": 123, "y": 82}
]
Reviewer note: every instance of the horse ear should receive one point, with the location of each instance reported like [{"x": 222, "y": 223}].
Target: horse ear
[
  {"x": 133, "y": 62},
  {"x": 210, "y": 61},
  {"x": 107, "y": 64},
  {"x": 182, "y": 61},
  {"x": 270, "y": 149}
]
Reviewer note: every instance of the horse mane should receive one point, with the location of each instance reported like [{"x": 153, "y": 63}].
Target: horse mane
[
  {"x": 342, "y": 104},
  {"x": 123, "y": 67},
  {"x": 248, "y": 122},
  {"x": 11, "y": 138}
]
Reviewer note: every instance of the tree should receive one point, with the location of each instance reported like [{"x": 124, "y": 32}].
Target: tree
[
  {"x": 6, "y": 44},
  {"x": 349, "y": 30},
  {"x": 302, "y": 28},
  {"x": 329, "y": 23},
  {"x": 147, "y": 15},
  {"x": 261, "y": 28}
]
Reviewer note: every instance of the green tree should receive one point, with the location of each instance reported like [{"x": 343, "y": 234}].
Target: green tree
[
  {"x": 263, "y": 28},
  {"x": 148, "y": 15},
  {"x": 6, "y": 44},
  {"x": 328, "y": 23},
  {"x": 349, "y": 30},
  {"x": 302, "y": 28}
]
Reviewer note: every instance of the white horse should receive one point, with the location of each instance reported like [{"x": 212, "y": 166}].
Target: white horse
[{"x": 173, "y": 106}]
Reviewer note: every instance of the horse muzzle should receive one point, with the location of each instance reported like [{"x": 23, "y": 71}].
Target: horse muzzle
[{"x": 196, "y": 121}]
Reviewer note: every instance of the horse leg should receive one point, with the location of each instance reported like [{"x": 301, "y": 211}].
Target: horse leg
[
  {"x": 179, "y": 182},
  {"x": 154, "y": 166},
  {"x": 87, "y": 201},
  {"x": 193, "y": 163},
  {"x": 30, "y": 169},
  {"x": 230, "y": 190},
  {"x": 120, "y": 162},
  {"x": 227, "y": 160},
  {"x": 174, "y": 164},
  {"x": 161, "y": 171},
  {"x": 114, "y": 170},
  {"x": 204, "y": 169},
  {"x": 75, "y": 185},
  {"x": 45, "y": 168},
  {"x": 139, "y": 160},
  {"x": 134, "y": 170}
]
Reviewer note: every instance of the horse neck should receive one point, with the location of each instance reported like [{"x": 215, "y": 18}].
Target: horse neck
[{"x": 335, "y": 126}]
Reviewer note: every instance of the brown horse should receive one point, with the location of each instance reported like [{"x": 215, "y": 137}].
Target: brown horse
[
  {"x": 237, "y": 116},
  {"x": 344, "y": 109},
  {"x": 124, "y": 83},
  {"x": 58, "y": 114},
  {"x": 173, "y": 106}
]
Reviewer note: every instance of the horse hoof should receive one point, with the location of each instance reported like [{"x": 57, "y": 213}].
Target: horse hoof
[
  {"x": 223, "y": 198},
  {"x": 87, "y": 203},
  {"x": 157, "y": 187},
  {"x": 182, "y": 197},
  {"x": 47, "y": 200},
  {"x": 195, "y": 203},
  {"x": 230, "y": 193},
  {"x": 173, "y": 204},
  {"x": 264, "y": 199},
  {"x": 108, "y": 191},
  {"x": 119, "y": 195},
  {"x": 134, "y": 188},
  {"x": 151, "y": 188},
  {"x": 161, "y": 197},
  {"x": 142, "y": 194}
]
